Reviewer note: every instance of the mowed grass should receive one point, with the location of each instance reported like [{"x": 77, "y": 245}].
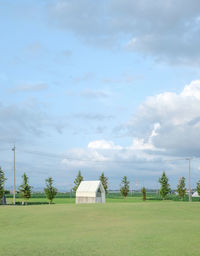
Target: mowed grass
[{"x": 162, "y": 228}]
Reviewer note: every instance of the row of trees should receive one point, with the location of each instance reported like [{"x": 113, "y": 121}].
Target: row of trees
[
  {"x": 181, "y": 187},
  {"x": 25, "y": 189},
  {"x": 164, "y": 189},
  {"x": 124, "y": 186}
]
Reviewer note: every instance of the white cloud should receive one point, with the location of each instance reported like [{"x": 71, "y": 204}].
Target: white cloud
[
  {"x": 103, "y": 144},
  {"x": 107, "y": 152},
  {"x": 81, "y": 158},
  {"x": 140, "y": 144},
  {"x": 178, "y": 116},
  {"x": 192, "y": 90}
]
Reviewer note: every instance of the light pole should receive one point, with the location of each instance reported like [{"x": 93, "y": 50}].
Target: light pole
[
  {"x": 13, "y": 149},
  {"x": 189, "y": 174},
  {"x": 136, "y": 184}
]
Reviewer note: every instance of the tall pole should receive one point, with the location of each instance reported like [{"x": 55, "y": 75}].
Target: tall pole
[
  {"x": 13, "y": 149},
  {"x": 189, "y": 174},
  {"x": 190, "y": 199}
]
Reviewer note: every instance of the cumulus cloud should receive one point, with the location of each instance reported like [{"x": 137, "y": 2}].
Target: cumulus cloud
[
  {"x": 106, "y": 152},
  {"x": 178, "y": 121},
  {"x": 140, "y": 144},
  {"x": 166, "y": 30},
  {"x": 83, "y": 158},
  {"x": 167, "y": 124},
  {"x": 116, "y": 161}
]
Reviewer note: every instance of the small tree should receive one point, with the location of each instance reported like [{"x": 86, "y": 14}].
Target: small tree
[
  {"x": 165, "y": 187},
  {"x": 181, "y": 189},
  {"x": 25, "y": 188},
  {"x": 50, "y": 191},
  {"x": 198, "y": 187},
  {"x": 104, "y": 181},
  {"x": 144, "y": 192},
  {"x": 77, "y": 181},
  {"x": 2, "y": 182},
  {"x": 124, "y": 189}
]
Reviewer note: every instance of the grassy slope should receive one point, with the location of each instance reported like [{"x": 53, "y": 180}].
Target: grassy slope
[{"x": 162, "y": 228}]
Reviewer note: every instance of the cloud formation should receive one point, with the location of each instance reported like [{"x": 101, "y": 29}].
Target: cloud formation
[
  {"x": 103, "y": 144},
  {"x": 165, "y": 126},
  {"x": 177, "y": 117},
  {"x": 166, "y": 30}
]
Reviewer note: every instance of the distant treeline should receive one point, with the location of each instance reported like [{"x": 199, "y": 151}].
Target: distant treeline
[
  {"x": 150, "y": 195},
  {"x": 25, "y": 190}
]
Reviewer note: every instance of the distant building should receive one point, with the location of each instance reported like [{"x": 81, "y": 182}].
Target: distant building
[
  {"x": 195, "y": 194},
  {"x": 90, "y": 192}
]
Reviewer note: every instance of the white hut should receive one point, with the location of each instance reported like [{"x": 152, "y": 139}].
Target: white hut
[
  {"x": 195, "y": 194},
  {"x": 90, "y": 192}
]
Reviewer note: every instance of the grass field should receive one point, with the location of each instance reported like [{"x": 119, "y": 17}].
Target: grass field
[{"x": 162, "y": 228}]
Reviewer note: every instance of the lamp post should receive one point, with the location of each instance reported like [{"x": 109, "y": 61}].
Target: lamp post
[
  {"x": 189, "y": 174},
  {"x": 13, "y": 149}
]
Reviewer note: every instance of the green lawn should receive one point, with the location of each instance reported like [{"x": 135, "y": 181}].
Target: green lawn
[{"x": 162, "y": 228}]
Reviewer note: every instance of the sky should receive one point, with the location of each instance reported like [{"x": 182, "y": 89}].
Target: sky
[{"x": 107, "y": 86}]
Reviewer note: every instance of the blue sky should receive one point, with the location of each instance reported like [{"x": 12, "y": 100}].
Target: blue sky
[{"x": 98, "y": 86}]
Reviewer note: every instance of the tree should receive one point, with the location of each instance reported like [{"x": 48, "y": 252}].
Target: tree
[
  {"x": 181, "y": 189},
  {"x": 50, "y": 191},
  {"x": 104, "y": 181},
  {"x": 77, "y": 181},
  {"x": 144, "y": 192},
  {"x": 25, "y": 188},
  {"x": 2, "y": 182},
  {"x": 198, "y": 187},
  {"x": 124, "y": 189},
  {"x": 165, "y": 187}
]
